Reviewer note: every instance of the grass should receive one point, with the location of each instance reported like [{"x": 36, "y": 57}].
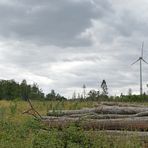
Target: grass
[{"x": 22, "y": 131}]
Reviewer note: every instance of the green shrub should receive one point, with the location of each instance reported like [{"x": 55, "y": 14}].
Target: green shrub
[
  {"x": 13, "y": 107},
  {"x": 2, "y": 113}
]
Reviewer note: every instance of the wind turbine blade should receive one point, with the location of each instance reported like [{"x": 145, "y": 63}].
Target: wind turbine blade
[
  {"x": 144, "y": 61},
  {"x": 135, "y": 62},
  {"x": 142, "y": 49}
]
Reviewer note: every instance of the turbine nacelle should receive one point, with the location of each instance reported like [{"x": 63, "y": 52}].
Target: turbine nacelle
[{"x": 140, "y": 58}]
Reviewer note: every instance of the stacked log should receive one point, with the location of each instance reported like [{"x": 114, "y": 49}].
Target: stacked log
[
  {"x": 115, "y": 119},
  {"x": 106, "y": 117}
]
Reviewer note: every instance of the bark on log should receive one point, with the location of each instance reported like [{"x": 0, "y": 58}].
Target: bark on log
[
  {"x": 101, "y": 110},
  {"x": 70, "y": 112},
  {"x": 121, "y": 104},
  {"x": 99, "y": 116},
  {"x": 120, "y": 110},
  {"x": 90, "y": 116},
  {"x": 136, "y": 123}
]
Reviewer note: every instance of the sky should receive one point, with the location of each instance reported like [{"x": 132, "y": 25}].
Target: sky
[{"x": 63, "y": 44}]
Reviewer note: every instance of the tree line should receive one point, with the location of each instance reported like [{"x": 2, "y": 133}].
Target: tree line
[
  {"x": 10, "y": 90},
  {"x": 102, "y": 95},
  {"x": 93, "y": 95}
]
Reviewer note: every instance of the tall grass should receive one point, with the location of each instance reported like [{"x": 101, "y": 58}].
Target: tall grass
[{"x": 22, "y": 131}]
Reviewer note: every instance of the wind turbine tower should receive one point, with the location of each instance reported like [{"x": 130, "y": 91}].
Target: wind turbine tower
[
  {"x": 140, "y": 60},
  {"x": 84, "y": 91}
]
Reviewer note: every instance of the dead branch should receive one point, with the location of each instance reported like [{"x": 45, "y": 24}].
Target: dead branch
[{"x": 32, "y": 111}]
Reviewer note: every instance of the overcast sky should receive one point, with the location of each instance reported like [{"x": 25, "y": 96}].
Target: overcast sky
[{"x": 63, "y": 44}]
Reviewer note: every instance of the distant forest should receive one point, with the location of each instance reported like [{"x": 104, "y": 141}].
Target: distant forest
[{"x": 11, "y": 90}]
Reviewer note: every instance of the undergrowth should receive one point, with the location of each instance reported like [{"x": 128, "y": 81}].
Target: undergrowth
[{"x": 22, "y": 131}]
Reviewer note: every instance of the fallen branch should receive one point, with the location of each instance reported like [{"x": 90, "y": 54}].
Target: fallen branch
[{"x": 32, "y": 111}]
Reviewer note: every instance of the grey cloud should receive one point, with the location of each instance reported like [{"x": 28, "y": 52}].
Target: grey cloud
[
  {"x": 82, "y": 58},
  {"x": 41, "y": 41},
  {"x": 49, "y": 22}
]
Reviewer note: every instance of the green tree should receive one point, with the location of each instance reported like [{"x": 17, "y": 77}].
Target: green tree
[
  {"x": 35, "y": 92},
  {"x": 25, "y": 90},
  {"x": 9, "y": 89},
  {"x": 93, "y": 95},
  {"x": 13, "y": 90},
  {"x": 51, "y": 95},
  {"x": 104, "y": 88},
  {"x": 54, "y": 96}
]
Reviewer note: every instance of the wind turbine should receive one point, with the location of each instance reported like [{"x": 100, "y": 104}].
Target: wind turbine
[{"x": 140, "y": 59}]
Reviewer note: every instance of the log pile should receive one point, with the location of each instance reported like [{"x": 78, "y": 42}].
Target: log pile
[
  {"x": 112, "y": 118},
  {"x": 103, "y": 117}
]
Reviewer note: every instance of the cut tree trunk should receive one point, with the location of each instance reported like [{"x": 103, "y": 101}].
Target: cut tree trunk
[
  {"x": 121, "y": 104},
  {"x": 135, "y": 123},
  {"x": 99, "y": 116},
  {"x": 101, "y": 110}
]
